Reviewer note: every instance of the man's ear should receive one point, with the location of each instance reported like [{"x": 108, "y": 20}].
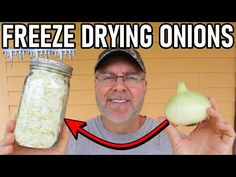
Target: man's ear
[
  {"x": 145, "y": 82},
  {"x": 94, "y": 81}
]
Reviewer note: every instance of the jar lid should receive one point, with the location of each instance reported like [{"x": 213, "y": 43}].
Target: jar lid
[{"x": 51, "y": 64}]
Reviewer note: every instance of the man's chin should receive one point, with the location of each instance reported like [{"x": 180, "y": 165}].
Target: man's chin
[{"x": 118, "y": 118}]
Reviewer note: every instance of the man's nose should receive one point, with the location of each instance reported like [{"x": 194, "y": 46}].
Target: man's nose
[{"x": 120, "y": 84}]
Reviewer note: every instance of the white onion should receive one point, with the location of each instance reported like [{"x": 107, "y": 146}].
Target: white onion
[{"x": 186, "y": 107}]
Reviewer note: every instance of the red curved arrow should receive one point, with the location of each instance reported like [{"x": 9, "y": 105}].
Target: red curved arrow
[{"x": 76, "y": 127}]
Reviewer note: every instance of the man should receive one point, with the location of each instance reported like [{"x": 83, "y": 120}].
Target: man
[{"x": 120, "y": 87}]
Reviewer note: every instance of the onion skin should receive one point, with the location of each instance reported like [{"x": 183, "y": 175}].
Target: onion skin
[{"x": 187, "y": 107}]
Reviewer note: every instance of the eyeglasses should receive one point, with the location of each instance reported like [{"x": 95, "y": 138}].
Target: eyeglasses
[{"x": 110, "y": 79}]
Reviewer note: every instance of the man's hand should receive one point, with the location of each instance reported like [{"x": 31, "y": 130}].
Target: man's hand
[
  {"x": 211, "y": 136},
  {"x": 9, "y": 146}
]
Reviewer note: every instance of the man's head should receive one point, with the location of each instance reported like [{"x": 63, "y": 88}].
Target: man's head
[{"x": 120, "y": 84}]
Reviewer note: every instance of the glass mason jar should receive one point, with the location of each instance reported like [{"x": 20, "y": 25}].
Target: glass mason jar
[{"x": 43, "y": 103}]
